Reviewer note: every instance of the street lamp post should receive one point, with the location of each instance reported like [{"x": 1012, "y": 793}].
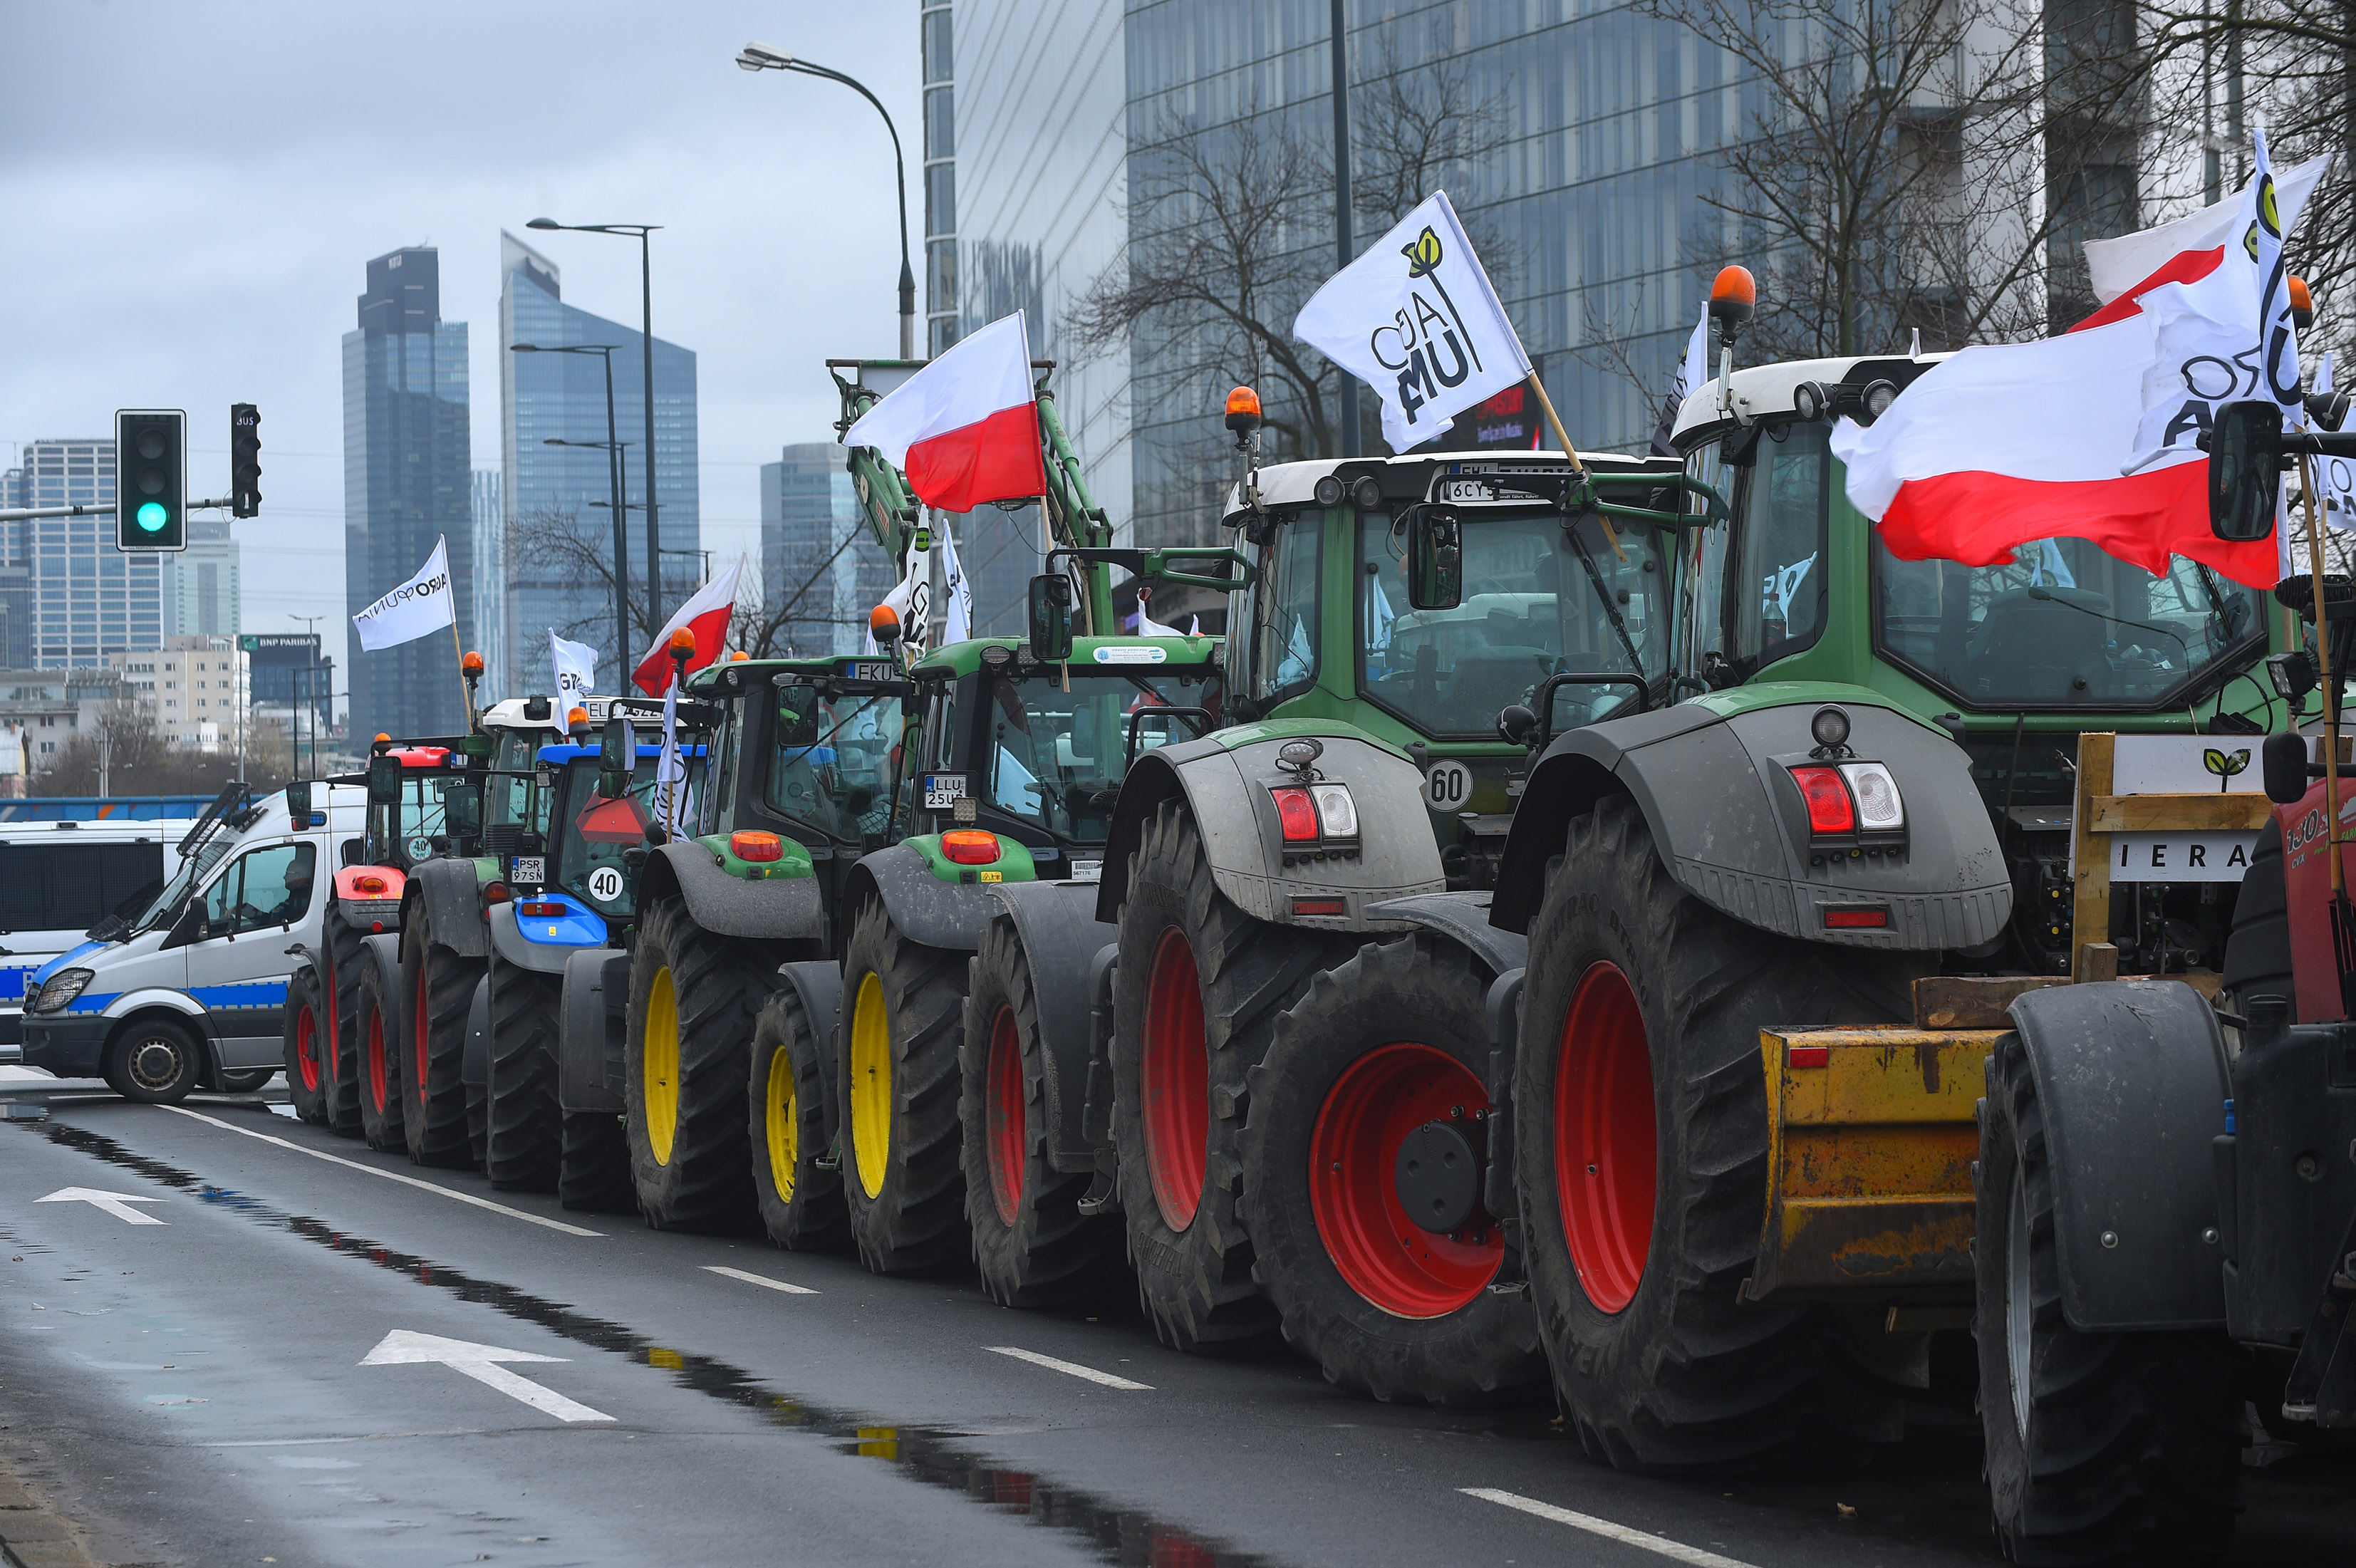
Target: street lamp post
[
  {"x": 647, "y": 354},
  {"x": 604, "y": 352},
  {"x": 618, "y": 455},
  {"x": 766, "y": 57}
]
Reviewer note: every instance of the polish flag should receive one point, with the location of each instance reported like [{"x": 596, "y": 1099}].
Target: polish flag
[
  {"x": 965, "y": 429},
  {"x": 2185, "y": 251},
  {"x": 706, "y": 615}
]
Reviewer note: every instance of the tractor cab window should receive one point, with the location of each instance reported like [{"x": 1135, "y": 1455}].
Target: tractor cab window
[
  {"x": 1540, "y": 599},
  {"x": 2064, "y": 623},
  {"x": 831, "y": 768},
  {"x": 1757, "y": 587},
  {"x": 404, "y": 834},
  {"x": 1056, "y": 759},
  {"x": 598, "y": 832},
  {"x": 1280, "y": 651}
]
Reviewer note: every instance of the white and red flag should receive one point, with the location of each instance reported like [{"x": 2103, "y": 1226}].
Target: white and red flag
[
  {"x": 707, "y": 615},
  {"x": 2186, "y": 249},
  {"x": 965, "y": 429}
]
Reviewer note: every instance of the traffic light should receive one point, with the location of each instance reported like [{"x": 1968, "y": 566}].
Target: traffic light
[
  {"x": 244, "y": 460},
  {"x": 151, "y": 478}
]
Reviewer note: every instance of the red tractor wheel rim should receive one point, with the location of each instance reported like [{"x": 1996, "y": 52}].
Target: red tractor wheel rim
[
  {"x": 306, "y": 1047},
  {"x": 1354, "y": 1152},
  {"x": 1606, "y": 1149},
  {"x": 1177, "y": 1074},
  {"x": 328, "y": 1065},
  {"x": 419, "y": 1031},
  {"x": 1005, "y": 1099},
  {"x": 376, "y": 1059}
]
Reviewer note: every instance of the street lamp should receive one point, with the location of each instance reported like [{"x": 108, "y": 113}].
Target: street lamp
[
  {"x": 604, "y": 352},
  {"x": 767, "y": 57},
  {"x": 646, "y": 345}
]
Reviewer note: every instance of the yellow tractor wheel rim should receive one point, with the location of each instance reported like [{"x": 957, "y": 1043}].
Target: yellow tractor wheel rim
[
  {"x": 871, "y": 1084},
  {"x": 661, "y": 1052},
  {"x": 784, "y": 1138}
]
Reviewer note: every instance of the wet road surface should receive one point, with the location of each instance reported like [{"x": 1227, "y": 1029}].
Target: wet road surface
[{"x": 230, "y": 1338}]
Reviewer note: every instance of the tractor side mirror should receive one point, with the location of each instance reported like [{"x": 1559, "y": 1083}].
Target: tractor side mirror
[
  {"x": 298, "y": 805},
  {"x": 2245, "y": 456},
  {"x": 462, "y": 809},
  {"x": 1050, "y": 617},
  {"x": 1435, "y": 559},
  {"x": 384, "y": 781},
  {"x": 2283, "y": 763},
  {"x": 617, "y": 756}
]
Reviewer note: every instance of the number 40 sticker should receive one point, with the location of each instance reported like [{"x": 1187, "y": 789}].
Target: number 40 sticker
[{"x": 1447, "y": 786}]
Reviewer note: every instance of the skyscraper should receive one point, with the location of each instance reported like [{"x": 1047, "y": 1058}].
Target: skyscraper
[
  {"x": 406, "y": 482},
  {"x": 88, "y": 599},
  {"x": 808, "y": 509},
  {"x": 559, "y": 566},
  {"x": 491, "y": 584},
  {"x": 201, "y": 585}
]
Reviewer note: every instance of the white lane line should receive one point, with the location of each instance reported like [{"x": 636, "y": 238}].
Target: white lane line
[
  {"x": 406, "y": 1346},
  {"x": 758, "y": 1280},
  {"x": 1674, "y": 1549},
  {"x": 451, "y": 1193},
  {"x": 1072, "y": 1367}
]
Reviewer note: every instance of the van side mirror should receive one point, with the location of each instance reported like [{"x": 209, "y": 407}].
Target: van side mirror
[
  {"x": 298, "y": 805},
  {"x": 462, "y": 811},
  {"x": 384, "y": 781},
  {"x": 2245, "y": 461},
  {"x": 1050, "y": 617},
  {"x": 1435, "y": 558}
]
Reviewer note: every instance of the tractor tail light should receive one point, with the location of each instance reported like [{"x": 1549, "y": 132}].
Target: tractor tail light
[
  {"x": 543, "y": 909},
  {"x": 755, "y": 846},
  {"x": 1297, "y": 813},
  {"x": 969, "y": 846},
  {"x": 1856, "y": 917},
  {"x": 1880, "y": 808},
  {"x": 372, "y": 886},
  {"x": 1830, "y": 811},
  {"x": 1336, "y": 812},
  {"x": 496, "y": 893}
]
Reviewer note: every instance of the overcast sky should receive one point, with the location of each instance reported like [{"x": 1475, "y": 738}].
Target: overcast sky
[{"x": 193, "y": 190}]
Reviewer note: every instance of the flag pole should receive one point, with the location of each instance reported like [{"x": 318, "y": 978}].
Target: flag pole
[
  {"x": 2323, "y": 663},
  {"x": 466, "y": 698},
  {"x": 1562, "y": 439}
]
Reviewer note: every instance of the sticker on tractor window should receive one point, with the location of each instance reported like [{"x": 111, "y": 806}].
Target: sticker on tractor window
[
  {"x": 529, "y": 868},
  {"x": 1145, "y": 655},
  {"x": 1447, "y": 786},
  {"x": 606, "y": 884},
  {"x": 420, "y": 846},
  {"x": 943, "y": 790}
]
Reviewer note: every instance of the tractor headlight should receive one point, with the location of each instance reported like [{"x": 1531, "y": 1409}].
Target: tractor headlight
[{"x": 61, "y": 989}]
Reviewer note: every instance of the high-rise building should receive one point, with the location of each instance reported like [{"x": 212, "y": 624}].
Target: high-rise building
[
  {"x": 196, "y": 690},
  {"x": 407, "y": 481},
  {"x": 88, "y": 599},
  {"x": 559, "y": 571},
  {"x": 491, "y": 584},
  {"x": 201, "y": 583},
  {"x": 16, "y": 578},
  {"x": 808, "y": 509}
]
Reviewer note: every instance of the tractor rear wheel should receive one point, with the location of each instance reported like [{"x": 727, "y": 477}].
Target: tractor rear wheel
[
  {"x": 339, "y": 990},
  {"x": 308, "y": 1041},
  {"x": 1372, "y": 1090},
  {"x": 1640, "y": 1138},
  {"x": 1030, "y": 1243},
  {"x": 799, "y": 1196},
  {"x": 1201, "y": 985},
  {"x": 438, "y": 983},
  {"x": 376, "y": 1052},
  {"x": 693, "y": 999},
  {"x": 521, "y": 1145},
  {"x": 593, "y": 1163},
  {"x": 2099, "y": 1447},
  {"x": 896, "y": 1055}
]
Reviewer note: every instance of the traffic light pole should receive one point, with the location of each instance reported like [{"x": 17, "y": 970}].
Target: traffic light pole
[{"x": 86, "y": 508}]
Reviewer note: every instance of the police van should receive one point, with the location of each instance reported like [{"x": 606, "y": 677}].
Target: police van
[
  {"x": 62, "y": 884},
  {"x": 193, "y": 991}
]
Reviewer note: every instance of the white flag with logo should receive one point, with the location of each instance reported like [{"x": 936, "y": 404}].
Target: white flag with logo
[
  {"x": 576, "y": 668},
  {"x": 422, "y": 605},
  {"x": 960, "y": 611},
  {"x": 1416, "y": 318},
  {"x": 670, "y": 771}
]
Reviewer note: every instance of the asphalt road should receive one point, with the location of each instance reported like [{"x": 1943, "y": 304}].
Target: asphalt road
[{"x": 249, "y": 1353}]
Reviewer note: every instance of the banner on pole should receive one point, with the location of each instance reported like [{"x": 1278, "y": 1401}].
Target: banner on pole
[
  {"x": 422, "y": 605},
  {"x": 576, "y": 668}
]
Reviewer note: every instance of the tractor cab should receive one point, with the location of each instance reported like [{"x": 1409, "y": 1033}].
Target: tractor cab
[{"x": 597, "y": 834}]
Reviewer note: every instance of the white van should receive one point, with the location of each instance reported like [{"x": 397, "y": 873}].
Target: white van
[
  {"x": 62, "y": 881},
  {"x": 194, "y": 992}
]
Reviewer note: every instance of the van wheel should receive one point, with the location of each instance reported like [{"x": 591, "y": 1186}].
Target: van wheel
[
  {"x": 247, "y": 1082},
  {"x": 153, "y": 1061}
]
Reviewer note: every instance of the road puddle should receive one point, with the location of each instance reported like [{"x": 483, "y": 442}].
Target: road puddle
[{"x": 926, "y": 1453}]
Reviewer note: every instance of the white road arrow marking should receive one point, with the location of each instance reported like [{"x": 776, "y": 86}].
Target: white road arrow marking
[
  {"x": 115, "y": 1203},
  {"x": 480, "y": 1362}
]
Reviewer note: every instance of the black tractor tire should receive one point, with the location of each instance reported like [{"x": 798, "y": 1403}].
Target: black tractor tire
[
  {"x": 1030, "y": 1243},
  {"x": 699, "y": 993},
  {"x": 154, "y": 1059},
  {"x": 2121, "y": 1446},
  {"x": 1389, "y": 1042},
  {"x": 438, "y": 987},
  {"x": 247, "y": 1081},
  {"x": 524, "y": 1131},
  {"x": 593, "y": 1163},
  {"x": 897, "y": 1059},
  {"x": 1657, "y": 1362},
  {"x": 339, "y": 986},
  {"x": 2257, "y": 953},
  {"x": 309, "y": 1039},
  {"x": 1206, "y": 982},
  {"x": 376, "y": 1051},
  {"x": 798, "y": 1194}
]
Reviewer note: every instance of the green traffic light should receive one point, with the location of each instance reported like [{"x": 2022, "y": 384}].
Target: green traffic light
[{"x": 152, "y": 517}]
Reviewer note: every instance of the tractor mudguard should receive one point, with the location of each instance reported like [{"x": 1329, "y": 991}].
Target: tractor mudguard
[
  {"x": 1060, "y": 936},
  {"x": 819, "y": 985},
  {"x": 506, "y": 941},
  {"x": 1463, "y": 919},
  {"x": 2131, "y": 1083},
  {"x": 1225, "y": 783},
  {"x": 924, "y": 908},
  {"x": 1500, "y": 1018},
  {"x": 474, "y": 1071},
  {"x": 781, "y": 909},
  {"x": 584, "y": 1050},
  {"x": 1717, "y": 792},
  {"x": 452, "y": 894},
  {"x": 2286, "y": 1182}
]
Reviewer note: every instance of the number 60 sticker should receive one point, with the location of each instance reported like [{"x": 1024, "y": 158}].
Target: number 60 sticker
[{"x": 1447, "y": 786}]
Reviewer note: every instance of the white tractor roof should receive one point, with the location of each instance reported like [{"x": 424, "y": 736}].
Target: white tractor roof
[
  {"x": 1763, "y": 390},
  {"x": 1295, "y": 484}
]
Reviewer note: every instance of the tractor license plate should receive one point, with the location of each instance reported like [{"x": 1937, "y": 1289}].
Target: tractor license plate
[
  {"x": 869, "y": 670},
  {"x": 1462, "y": 491},
  {"x": 529, "y": 868},
  {"x": 1087, "y": 871},
  {"x": 943, "y": 790}
]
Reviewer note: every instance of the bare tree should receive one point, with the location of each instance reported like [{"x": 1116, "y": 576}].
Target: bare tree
[
  {"x": 124, "y": 754},
  {"x": 558, "y": 549},
  {"x": 805, "y": 619}
]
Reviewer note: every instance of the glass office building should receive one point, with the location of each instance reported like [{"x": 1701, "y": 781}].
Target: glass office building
[
  {"x": 406, "y": 483},
  {"x": 808, "y": 511},
  {"x": 83, "y": 598},
  {"x": 490, "y": 584},
  {"x": 558, "y": 562}
]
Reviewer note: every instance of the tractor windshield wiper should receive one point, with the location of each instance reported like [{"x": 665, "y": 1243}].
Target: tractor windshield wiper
[{"x": 1603, "y": 596}]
